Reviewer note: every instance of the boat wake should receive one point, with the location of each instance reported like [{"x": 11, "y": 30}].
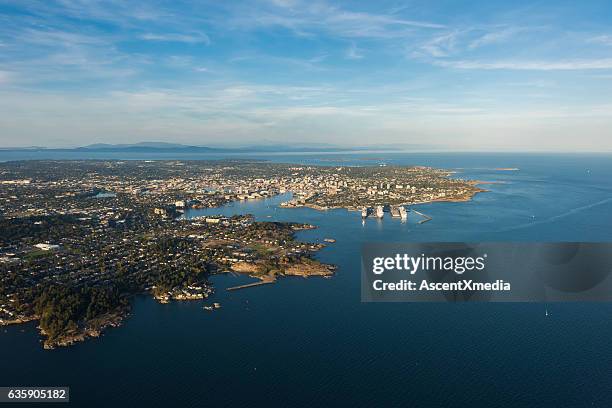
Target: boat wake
[{"x": 560, "y": 216}]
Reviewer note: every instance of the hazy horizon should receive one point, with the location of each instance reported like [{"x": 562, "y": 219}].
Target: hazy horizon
[
  {"x": 269, "y": 147},
  {"x": 483, "y": 76}
]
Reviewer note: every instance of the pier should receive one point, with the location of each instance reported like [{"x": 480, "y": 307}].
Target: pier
[
  {"x": 264, "y": 280},
  {"x": 250, "y": 285},
  {"x": 425, "y": 217}
]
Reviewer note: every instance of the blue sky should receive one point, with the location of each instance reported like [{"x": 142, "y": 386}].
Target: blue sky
[{"x": 458, "y": 75}]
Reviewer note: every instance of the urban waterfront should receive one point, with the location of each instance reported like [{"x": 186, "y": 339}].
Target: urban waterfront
[{"x": 313, "y": 342}]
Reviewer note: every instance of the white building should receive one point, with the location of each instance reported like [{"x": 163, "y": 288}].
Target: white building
[{"x": 46, "y": 247}]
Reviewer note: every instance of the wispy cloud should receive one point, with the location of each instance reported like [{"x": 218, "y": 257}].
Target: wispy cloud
[
  {"x": 494, "y": 37},
  {"x": 285, "y": 3},
  {"x": 353, "y": 52},
  {"x": 114, "y": 12},
  {"x": 601, "y": 39},
  {"x": 56, "y": 38},
  {"x": 563, "y": 65},
  {"x": 175, "y": 37},
  {"x": 282, "y": 67},
  {"x": 440, "y": 45},
  {"x": 307, "y": 18},
  {"x": 462, "y": 40}
]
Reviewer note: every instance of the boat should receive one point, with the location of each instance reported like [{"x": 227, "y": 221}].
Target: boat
[
  {"x": 208, "y": 308},
  {"x": 380, "y": 211},
  {"x": 331, "y": 240},
  {"x": 403, "y": 213},
  {"x": 364, "y": 212}
]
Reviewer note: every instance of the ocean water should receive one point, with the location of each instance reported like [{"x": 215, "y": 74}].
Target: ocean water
[{"x": 311, "y": 342}]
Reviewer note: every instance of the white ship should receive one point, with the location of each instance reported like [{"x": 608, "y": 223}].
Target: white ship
[
  {"x": 364, "y": 212},
  {"x": 403, "y": 213},
  {"x": 380, "y": 212}
]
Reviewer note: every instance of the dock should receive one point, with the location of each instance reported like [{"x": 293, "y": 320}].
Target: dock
[
  {"x": 425, "y": 217},
  {"x": 250, "y": 285}
]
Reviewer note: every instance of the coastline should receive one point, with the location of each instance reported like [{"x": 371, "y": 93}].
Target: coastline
[
  {"x": 95, "y": 327},
  {"x": 265, "y": 272},
  {"x": 91, "y": 329}
]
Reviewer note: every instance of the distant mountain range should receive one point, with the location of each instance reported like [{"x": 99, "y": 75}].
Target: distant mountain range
[
  {"x": 145, "y": 147},
  {"x": 181, "y": 148}
]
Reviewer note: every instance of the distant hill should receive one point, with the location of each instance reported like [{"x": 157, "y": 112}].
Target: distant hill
[
  {"x": 175, "y": 147},
  {"x": 264, "y": 147},
  {"x": 145, "y": 147}
]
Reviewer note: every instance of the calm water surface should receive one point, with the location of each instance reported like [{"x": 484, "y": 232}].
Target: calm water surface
[{"x": 312, "y": 342}]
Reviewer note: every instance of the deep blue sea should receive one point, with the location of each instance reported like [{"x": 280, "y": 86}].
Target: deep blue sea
[{"x": 311, "y": 342}]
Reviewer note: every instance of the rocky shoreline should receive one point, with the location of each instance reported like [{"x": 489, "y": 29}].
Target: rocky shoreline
[
  {"x": 94, "y": 328},
  {"x": 89, "y": 329}
]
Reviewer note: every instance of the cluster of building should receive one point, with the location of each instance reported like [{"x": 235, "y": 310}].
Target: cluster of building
[
  {"x": 98, "y": 223},
  {"x": 171, "y": 187}
]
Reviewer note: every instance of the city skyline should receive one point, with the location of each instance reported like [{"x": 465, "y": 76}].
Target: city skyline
[{"x": 485, "y": 76}]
